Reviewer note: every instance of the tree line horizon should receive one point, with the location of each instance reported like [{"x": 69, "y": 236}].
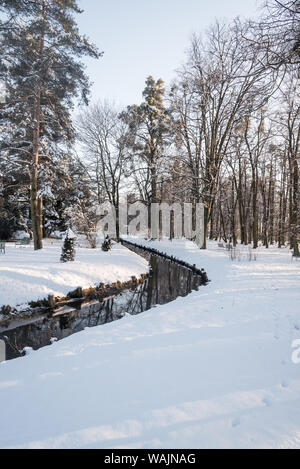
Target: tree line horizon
[{"x": 224, "y": 133}]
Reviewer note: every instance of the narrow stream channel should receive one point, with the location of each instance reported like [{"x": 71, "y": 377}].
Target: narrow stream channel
[{"x": 167, "y": 281}]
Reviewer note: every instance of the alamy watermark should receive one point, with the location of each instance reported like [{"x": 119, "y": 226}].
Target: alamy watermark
[
  {"x": 157, "y": 220},
  {"x": 296, "y": 352}
]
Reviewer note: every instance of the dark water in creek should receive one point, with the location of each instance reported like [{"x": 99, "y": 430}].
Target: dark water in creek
[{"x": 167, "y": 280}]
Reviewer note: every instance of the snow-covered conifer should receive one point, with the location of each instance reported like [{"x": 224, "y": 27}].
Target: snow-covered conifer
[{"x": 40, "y": 68}]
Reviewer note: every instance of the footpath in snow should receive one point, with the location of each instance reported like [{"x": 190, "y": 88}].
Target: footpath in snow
[
  {"x": 211, "y": 370},
  {"x": 28, "y": 275}
]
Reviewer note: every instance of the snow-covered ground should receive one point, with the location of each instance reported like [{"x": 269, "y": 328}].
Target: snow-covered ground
[
  {"x": 213, "y": 369},
  {"x": 28, "y": 275}
]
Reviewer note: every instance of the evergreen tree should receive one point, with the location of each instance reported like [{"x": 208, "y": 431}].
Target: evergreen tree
[
  {"x": 68, "y": 249},
  {"x": 149, "y": 126},
  {"x": 62, "y": 181},
  {"x": 39, "y": 63}
]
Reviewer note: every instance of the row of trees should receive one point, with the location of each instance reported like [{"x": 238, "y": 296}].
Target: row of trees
[{"x": 225, "y": 133}]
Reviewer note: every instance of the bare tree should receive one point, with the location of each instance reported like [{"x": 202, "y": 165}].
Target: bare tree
[
  {"x": 216, "y": 90},
  {"x": 289, "y": 122},
  {"x": 277, "y": 35},
  {"x": 104, "y": 139}
]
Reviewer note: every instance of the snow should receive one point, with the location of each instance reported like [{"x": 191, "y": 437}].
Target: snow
[
  {"x": 211, "y": 370},
  {"x": 20, "y": 235},
  {"x": 69, "y": 234},
  {"x": 28, "y": 275}
]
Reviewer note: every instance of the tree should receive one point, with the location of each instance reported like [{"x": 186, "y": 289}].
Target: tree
[
  {"x": 68, "y": 249},
  {"x": 42, "y": 73},
  {"x": 289, "y": 124},
  {"x": 104, "y": 138},
  {"x": 216, "y": 91},
  {"x": 75, "y": 204},
  {"x": 277, "y": 34},
  {"x": 149, "y": 125}
]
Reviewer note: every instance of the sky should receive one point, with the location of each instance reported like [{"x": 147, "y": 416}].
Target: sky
[{"x": 146, "y": 37}]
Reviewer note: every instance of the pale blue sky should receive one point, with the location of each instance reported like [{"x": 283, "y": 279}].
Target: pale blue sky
[{"x": 141, "y": 38}]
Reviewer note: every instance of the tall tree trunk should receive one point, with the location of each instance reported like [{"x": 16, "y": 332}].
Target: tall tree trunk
[
  {"x": 241, "y": 207},
  {"x": 233, "y": 210},
  {"x": 254, "y": 212},
  {"x": 211, "y": 232},
  {"x": 154, "y": 228},
  {"x": 272, "y": 202},
  {"x": 117, "y": 208},
  {"x": 41, "y": 221},
  {"x": 206, "y": 221},
  {"x": 295, "y": 196},
  {"x": 35, "y": 205}
]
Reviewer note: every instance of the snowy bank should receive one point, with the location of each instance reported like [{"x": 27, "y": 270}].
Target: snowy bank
[
  {"x": 28, "y": 275},
  {"x": 211, "y": 370}
]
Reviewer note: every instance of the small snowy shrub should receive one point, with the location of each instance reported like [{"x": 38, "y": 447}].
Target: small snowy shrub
[
  {"x": 68, "y": 249},
  {"x": 106, "y": 245}
]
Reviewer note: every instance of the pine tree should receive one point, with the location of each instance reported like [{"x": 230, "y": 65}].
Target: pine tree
[
  {"x": 68, "y": 250},
  {"x": 40, "y": 67},
  {"x": 150, "y": 126}
]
